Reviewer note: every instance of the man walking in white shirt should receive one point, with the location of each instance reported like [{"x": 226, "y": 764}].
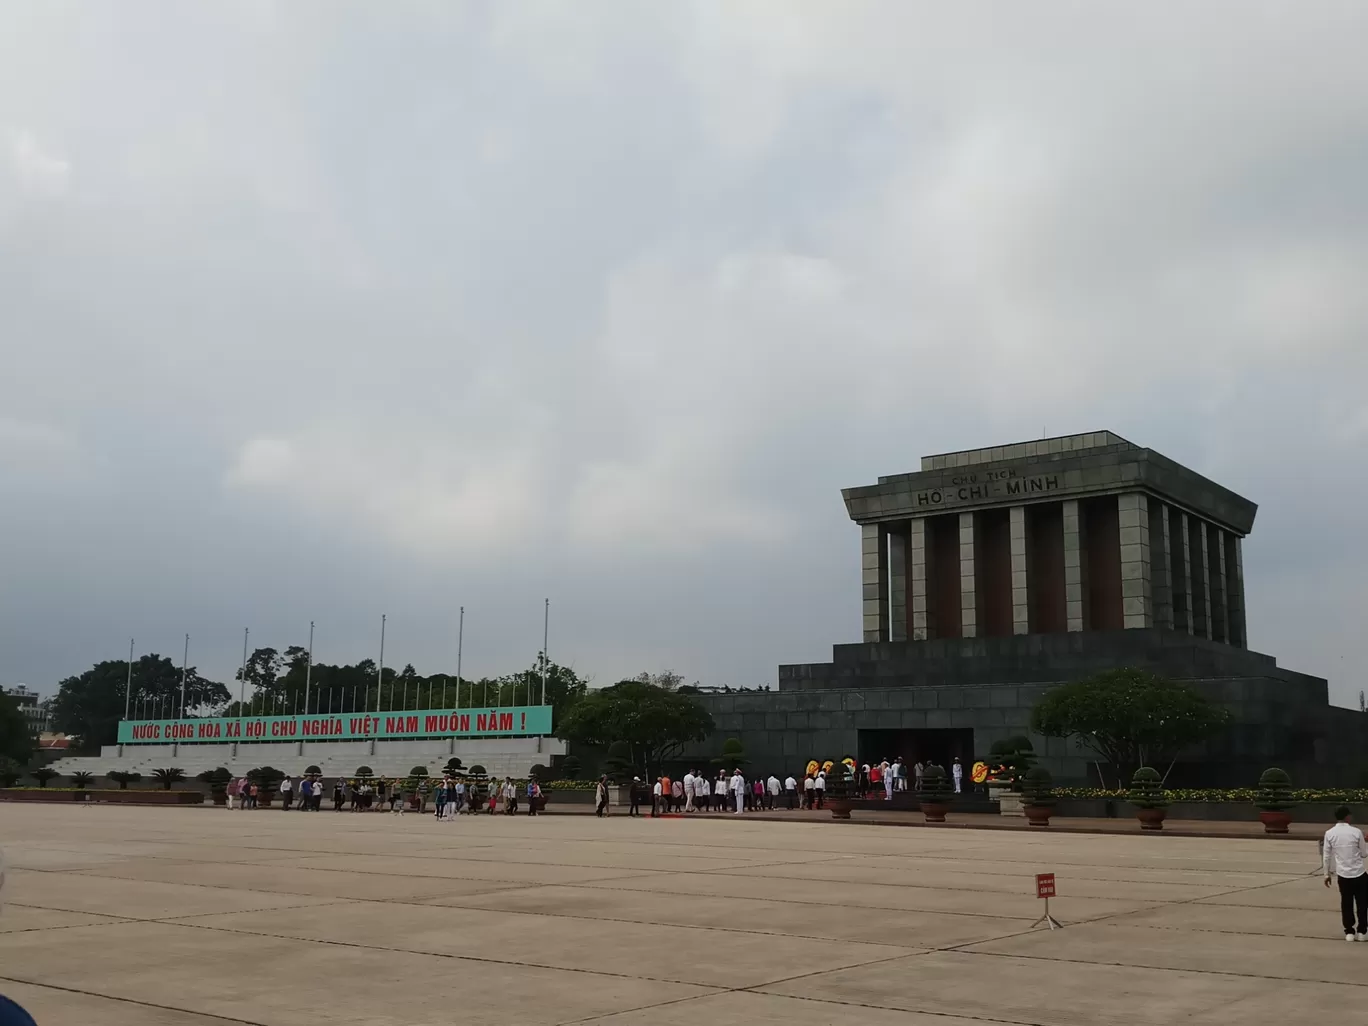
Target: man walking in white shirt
[
  {"x": 1343, "y": 851},
  {"x": 689, "y": 791},
  {"x": 772, "y": 787},
  {"x": 791, "y": 791},
  {"x": 702, "y": 791},
  {"x": 737, "y": 786}
]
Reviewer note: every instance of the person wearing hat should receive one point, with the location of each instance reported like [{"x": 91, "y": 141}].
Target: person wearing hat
[{"x": 635, "y": 809}]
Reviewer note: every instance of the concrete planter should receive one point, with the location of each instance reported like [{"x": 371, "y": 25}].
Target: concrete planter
[
  {"x": 1037, "y": 815},
  {"x": 840, "y": 808},
  {"x": 1009, "y": 803},
  {"x": 935, "y": 811},
  {"x": 1151, "y": 819},
  {"x": 1275, "y": 821}
]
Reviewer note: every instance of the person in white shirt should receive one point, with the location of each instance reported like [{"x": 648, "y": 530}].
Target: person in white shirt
[
  {"x": 791, "y": 791},
  {"x": 772, "y": 786},
  {"x": 286, "y": 794},
  {"x": 720, "y": 791},
  {"x": 886, "y": 775},
  {"x": 957, "y": 771},
  {"x": 819, "y": 787},
  {"x": 657, "y": 793},
  {"x": 900, "y": 774},
  {"x": 703, "y": 791},
  {"x": 737, "y": 786},
  {"x": 689, "y": 780},
  {"x": 809, "y": 792},
  {"x": 1343, "y": 851}
]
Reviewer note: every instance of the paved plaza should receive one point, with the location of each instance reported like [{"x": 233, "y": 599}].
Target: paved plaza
[{"x": 204, "y": 917}]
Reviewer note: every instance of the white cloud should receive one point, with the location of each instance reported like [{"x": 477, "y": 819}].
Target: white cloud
[{"x": 36, "y": 169}]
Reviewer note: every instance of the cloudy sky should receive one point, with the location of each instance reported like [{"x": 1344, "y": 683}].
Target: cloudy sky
[{"x": 328, "y": 310}]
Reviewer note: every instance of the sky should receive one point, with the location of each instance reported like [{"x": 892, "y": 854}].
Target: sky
[{"x": 323, "y": 311}]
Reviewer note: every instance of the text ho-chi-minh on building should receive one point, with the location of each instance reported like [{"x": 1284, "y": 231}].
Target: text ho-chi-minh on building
[{"x": 990, "y": 574}]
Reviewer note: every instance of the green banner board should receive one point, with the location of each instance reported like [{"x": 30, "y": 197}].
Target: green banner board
[{"x": 508, "y": 721}]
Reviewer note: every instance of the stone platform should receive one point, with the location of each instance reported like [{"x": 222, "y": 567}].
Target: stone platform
[{"x": 204, "y": 917}]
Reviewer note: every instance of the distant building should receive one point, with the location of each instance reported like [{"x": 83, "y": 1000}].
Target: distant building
[{"x": 35, "y": 708}]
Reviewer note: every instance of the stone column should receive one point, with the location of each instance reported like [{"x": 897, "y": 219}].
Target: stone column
[
  {"x": 917, "y": 571},
  {"x": 1220, "y": 615},
  {"x": 1137, "y": 601},
  {"x": 1182, "y": 584},
  {"x": 1075, "y": 568},
  {"x": 1199, "y": 576},
  {"x": 1236, "y": 598},
  {"x": 1161, "y": 567},
  {"x": 874, "y": 578},
  {"x": 968, "y": 587},
  {"x": 897, "y": 578},
  {"x": 1021, "y": 599}
]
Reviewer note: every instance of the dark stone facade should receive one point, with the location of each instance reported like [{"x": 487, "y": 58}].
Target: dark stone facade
[{"x": 989, "y": 685}]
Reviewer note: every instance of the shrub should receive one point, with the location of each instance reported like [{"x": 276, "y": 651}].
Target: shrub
[
  {"x": 570, "y": 767},
  {"x": 10, "y": 771},
  {"x": 1275, "y": 791},
  {"x": 1147, "y": 789},
  {"x": 733, "y": 754},
  {"x": 936, "y": 786},
  {"x": 217, "y": 779},
  {"x": 364, "y": 772},
  {"x": 124, "y": 777},
  {"x": 81, "y": 779},
  {"x": 167, "y": 777},
  {"x": 310, "y": 771},
  {"x": 419, "y": 771},
  {"x": 267, "y": 778},
  {"x": 43, "y": 774},
  {"x": 539, "y": 772},
  {"x": 617, "y": 764},
  {"x": 477, "y": 770},
  {"x": 453, "y": 764},
  {"x": 1016, "y": 756},
  {"x": 1037, "y": 787}
]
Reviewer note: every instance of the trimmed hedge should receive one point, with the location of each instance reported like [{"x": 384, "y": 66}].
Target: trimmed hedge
[{"x": 1341, "y": 796}]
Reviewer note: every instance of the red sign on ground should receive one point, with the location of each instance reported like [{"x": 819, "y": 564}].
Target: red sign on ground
[{"x": 1045, "y": 887}]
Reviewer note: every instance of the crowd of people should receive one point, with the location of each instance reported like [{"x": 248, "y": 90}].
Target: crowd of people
[
  {"x": 734, "y": 793},
  {"x": 450, "y": 795}
]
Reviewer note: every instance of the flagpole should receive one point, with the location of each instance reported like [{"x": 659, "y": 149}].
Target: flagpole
[
  {"x": 380, "y": 676},
  {"x": 460, "y": 638},
  {"x": 242, "y": 685},
  {"x": 546, "y": 627},
  {"x": 128, "y": 688},
  {"x": 308, "y": 670},
  {"x": 185, "y": 663}
]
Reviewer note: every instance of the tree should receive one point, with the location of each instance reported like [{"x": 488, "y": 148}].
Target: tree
[
  {"x": 733, "y": 754},
  {"x": 91, "y": 705},
  {"x": 81, "y": 779},
  {"x": 654, "y": 722},
  {"x": 124, "y": 777},
  {"x": 169, "y": 776},
  {"x": 570, "y": 767},
  {"x": 16, "y": 736},
  {"x": 1128, "y": 717},
  {"x": 43, "y": 774},
  {"x": 10, "y": 771},
  {"x": 1015, "y": 755},
  {"x": 617, "y": 764}
]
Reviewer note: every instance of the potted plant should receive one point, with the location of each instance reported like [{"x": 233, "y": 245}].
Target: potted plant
[
  {"x": 1150, "y": 799},
  {"x": 43, "y": 774},
  {"x": 124, "y": 777},
  {"x": 936, "y": 794},
  {"x": 838, "y": 791},
  {"x": 267, "y": 779},
  {"x": 1010, "y": 759},
  {"x": 1274, "y": 799},
  {"x": 1037, "y": 796},
  {"x": 217, "y": 779}
]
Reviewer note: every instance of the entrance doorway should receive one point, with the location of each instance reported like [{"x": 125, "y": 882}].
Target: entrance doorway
[{"x": 941, "y": 747}]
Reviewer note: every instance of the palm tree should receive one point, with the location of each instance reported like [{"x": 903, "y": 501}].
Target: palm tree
[
  {"x": 81, "y": 779},
  {"x": 124, "y": 777},
  {"x": 43, "y": 774},
  {"x": 167, "y": 777}
]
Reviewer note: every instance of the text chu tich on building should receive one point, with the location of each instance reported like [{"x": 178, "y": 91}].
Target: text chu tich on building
[{"x": 1076, "y": 533}]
